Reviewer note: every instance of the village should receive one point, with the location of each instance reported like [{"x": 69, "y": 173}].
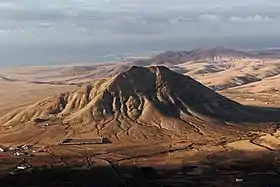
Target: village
[
  {"x": 24, "y": 152},
  {"x": 27, "y": 159},
  {"x": 21, "y": 153}
]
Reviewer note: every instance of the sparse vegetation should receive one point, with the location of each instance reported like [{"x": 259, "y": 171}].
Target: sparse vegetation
[{"x": 173, "y": 128}]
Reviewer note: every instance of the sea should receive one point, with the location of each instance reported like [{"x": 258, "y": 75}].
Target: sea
[{"x": 18, "y": 55}]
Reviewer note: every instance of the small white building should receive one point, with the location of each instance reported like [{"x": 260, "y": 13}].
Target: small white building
[
  {"x": 18, "y": 153},
  {"x": 12, "y": 148},
  {"x": 21, "y": 167},
  {"x": 239, "y": 180},
  {"x": 24, "y": 147}
]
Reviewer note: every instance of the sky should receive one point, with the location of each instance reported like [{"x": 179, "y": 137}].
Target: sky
[{"x": 147, "y": 24}]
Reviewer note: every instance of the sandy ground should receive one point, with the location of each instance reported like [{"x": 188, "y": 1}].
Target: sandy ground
[
  {"x": 258, "y": 86},
  {"x": 19, "y": 94}
]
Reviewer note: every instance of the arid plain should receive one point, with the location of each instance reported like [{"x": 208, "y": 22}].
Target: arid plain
[{"x": 198, "y": 118}]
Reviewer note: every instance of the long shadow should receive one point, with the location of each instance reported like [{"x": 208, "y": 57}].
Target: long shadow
[
  {"x": 263, "y": 108},
  {"x": 249, "y": 114},
  {"x": 218, "y": 170},
  {"x": 262, "y": 114}
]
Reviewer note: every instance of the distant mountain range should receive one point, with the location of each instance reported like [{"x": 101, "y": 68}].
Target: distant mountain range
[
  {"x": 209, "y": 54},
  {"x": 172, "y": 57}
]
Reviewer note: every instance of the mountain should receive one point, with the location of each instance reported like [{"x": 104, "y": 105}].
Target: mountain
[
  {"x": 267, "y": 53},
  {"x": 141, "y": 103},
  {"x": 212, "y": 54}
]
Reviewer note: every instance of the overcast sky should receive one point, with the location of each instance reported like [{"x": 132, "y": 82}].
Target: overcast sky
[
  {"x": 56, "y": 21},
  {"x": 113, "y": 22}
]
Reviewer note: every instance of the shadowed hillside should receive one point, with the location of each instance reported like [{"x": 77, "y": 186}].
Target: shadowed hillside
[{"x": 137, "y": 104}]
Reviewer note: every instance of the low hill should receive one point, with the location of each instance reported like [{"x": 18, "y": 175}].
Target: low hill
[
  {"x": 212, "y": 54},
  {"x": 141, "y": 103}
]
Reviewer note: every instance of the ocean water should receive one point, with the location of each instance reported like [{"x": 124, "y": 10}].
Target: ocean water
[{"x": 13, "y": 55}]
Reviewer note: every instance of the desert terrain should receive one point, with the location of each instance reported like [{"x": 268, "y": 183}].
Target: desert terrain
[{"x": 205, "y": 117}]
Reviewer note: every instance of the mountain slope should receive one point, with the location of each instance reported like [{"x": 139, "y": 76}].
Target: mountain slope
[
  {"x": 137, "y": 104},
  {"x": 212, "y": 54}
]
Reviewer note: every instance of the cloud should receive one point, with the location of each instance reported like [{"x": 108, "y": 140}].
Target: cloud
[
  {"x": 5, "y": 5},
  {"x": 103, "y": 19},
  {"x": 4, "y": 31},
  {"x": 209, "y": 17},
  {"x": 251, "y": 19},
  {"x": 47, "y": 24}
]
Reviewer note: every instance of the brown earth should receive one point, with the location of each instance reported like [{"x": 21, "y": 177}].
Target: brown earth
[{"x": 153, "y": 116}]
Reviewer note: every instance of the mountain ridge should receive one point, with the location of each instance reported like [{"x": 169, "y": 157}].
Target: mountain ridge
[
  {"x": 141, "y": 103},
  {"x": 213, "y": 54}
]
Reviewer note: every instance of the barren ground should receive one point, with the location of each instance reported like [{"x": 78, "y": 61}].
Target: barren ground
[{"x": 182, "y": 162}]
